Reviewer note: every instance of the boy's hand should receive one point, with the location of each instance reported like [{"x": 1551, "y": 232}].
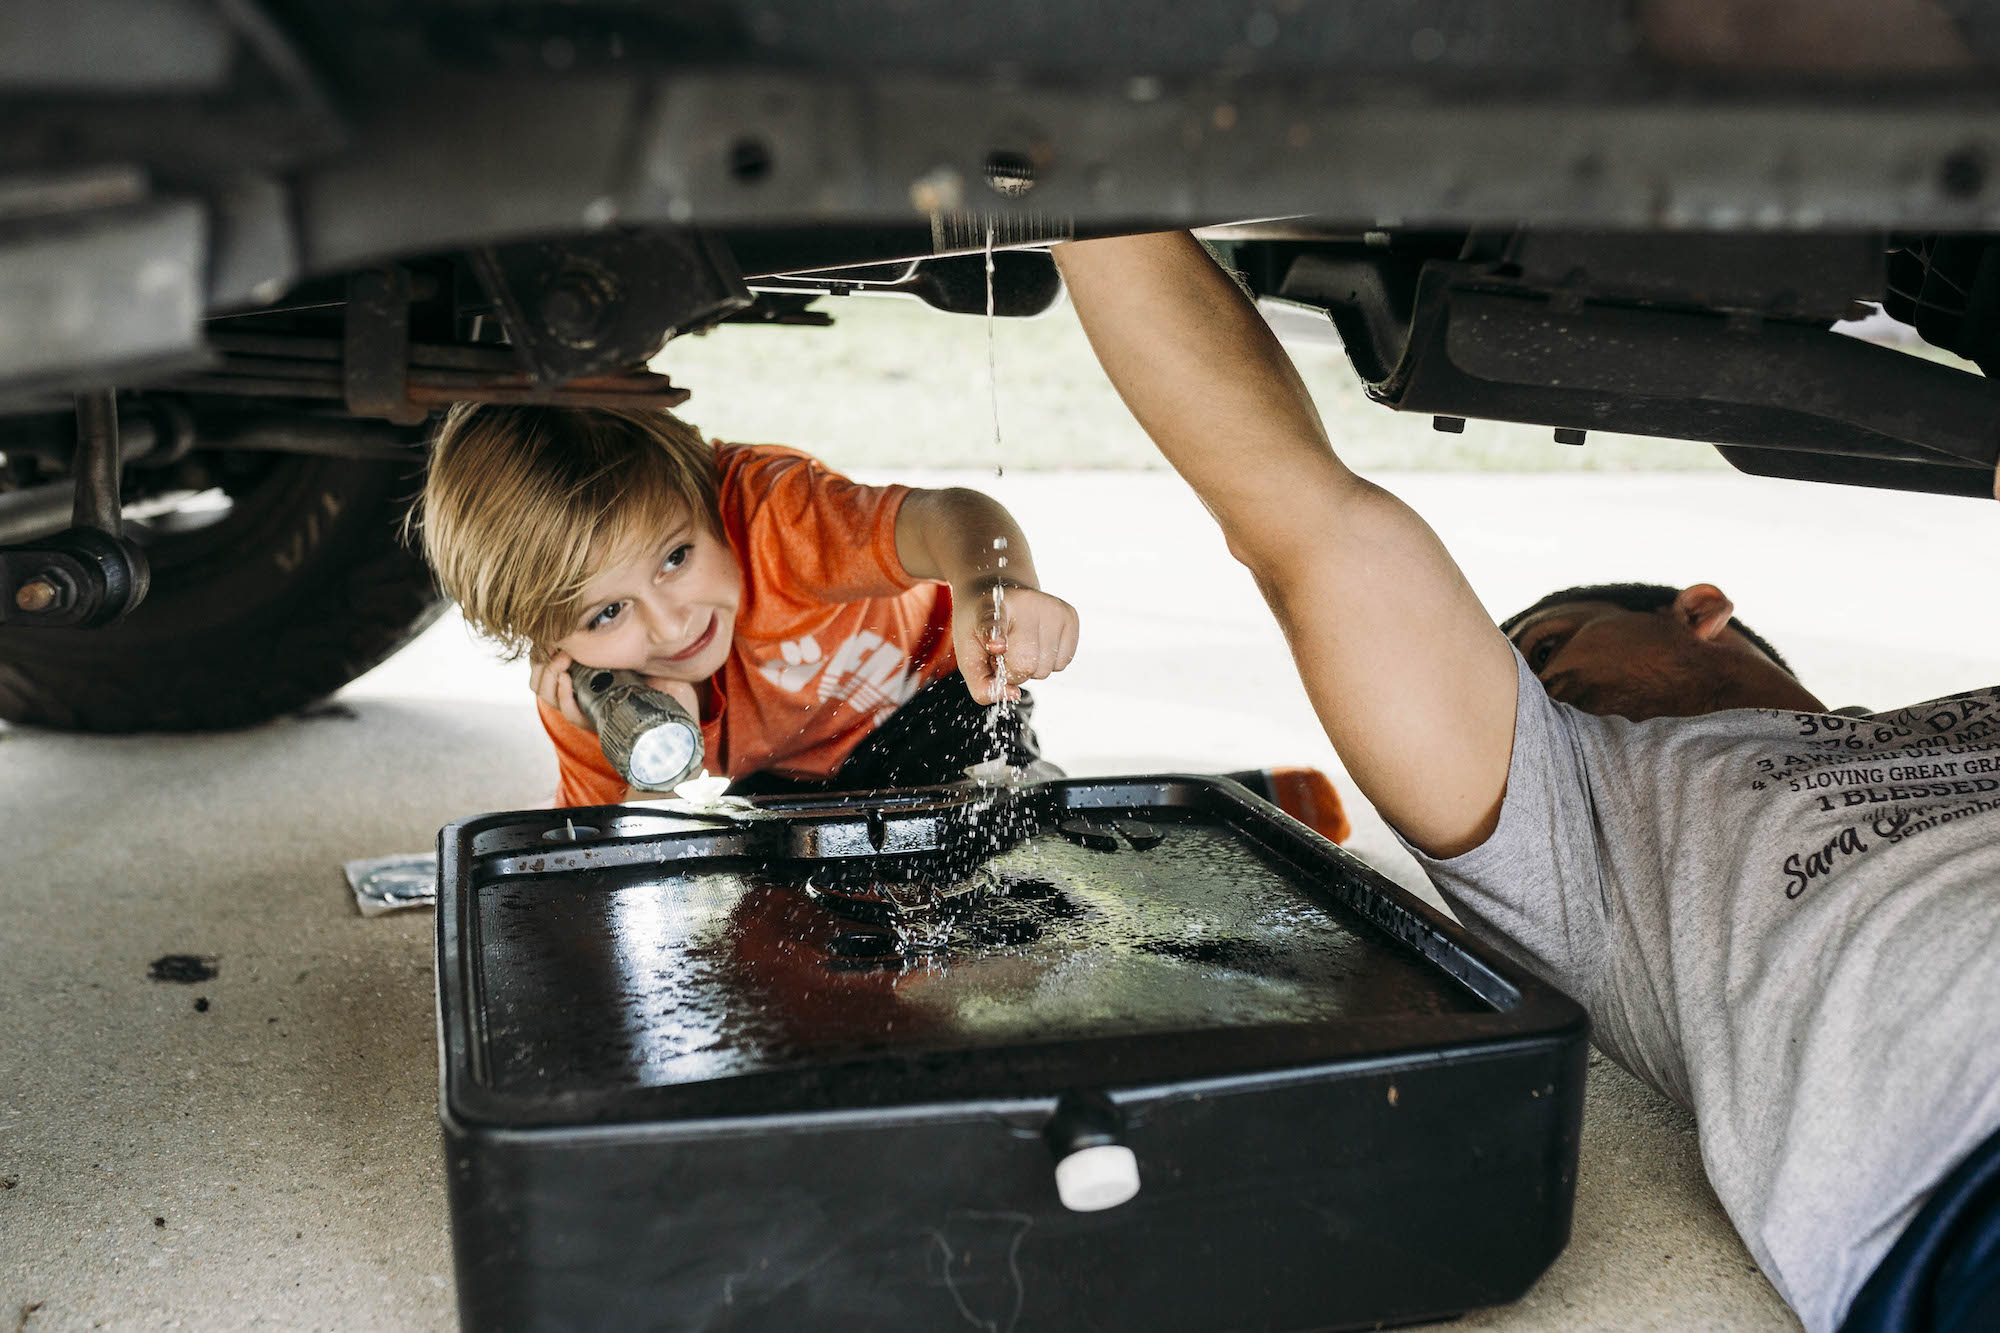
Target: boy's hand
[
  {"x": 1033, "y": 632},
  {"x": 549, "y": 679}
]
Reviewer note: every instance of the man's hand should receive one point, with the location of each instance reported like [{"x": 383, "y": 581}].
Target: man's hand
[{"x": 1033, "y": 633}]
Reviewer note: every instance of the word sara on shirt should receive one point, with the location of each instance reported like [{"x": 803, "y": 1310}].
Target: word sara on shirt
[
  {"x": 1801, "y": 870},
  {"x": 866, "y": 671}
]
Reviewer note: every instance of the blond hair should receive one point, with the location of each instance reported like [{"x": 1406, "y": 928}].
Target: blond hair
[{"x": 522, "y": 506}]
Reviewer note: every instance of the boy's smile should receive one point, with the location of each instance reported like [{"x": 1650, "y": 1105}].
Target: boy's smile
[
  {"x": 702, "y": 640},
  {"x": 664, "y": 608}
]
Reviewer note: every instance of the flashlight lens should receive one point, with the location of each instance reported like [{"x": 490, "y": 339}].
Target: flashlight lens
[{"x": 663, "y": 754}]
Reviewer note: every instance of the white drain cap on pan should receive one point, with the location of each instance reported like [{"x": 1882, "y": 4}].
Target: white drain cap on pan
[{"x": 1092, "y": 1179}]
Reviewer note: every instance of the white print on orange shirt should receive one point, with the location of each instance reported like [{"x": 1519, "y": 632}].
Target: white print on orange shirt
[
  {"x": 798, "y": 662},
  {"x": 867, "y": 671}
]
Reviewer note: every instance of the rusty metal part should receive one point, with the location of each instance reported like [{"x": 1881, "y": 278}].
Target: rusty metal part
[
  {"x": 80, "y": 578},
  {"x": 88, "y": 574},
  {"x": 37, "y": 595},
  {"x": 499, "y": 360},
  {"x": 585, "y": 305},
  {"x": 638, "y": 389},
  {"x": 432, "y": 376},
  {"x": 376, "y": 346}
]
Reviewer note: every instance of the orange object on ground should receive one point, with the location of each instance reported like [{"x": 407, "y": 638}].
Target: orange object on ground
[
  {"x": 1304, "y": 793},
  {"x": 832, "y": 635}
]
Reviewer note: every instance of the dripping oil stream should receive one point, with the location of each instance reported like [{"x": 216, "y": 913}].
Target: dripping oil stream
[{"x": 996, "y": 718}]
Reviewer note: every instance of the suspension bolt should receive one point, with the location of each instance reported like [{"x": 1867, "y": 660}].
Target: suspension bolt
[
  {"x": 37, "y": 595},
  {"x": 576, "y": 306}
]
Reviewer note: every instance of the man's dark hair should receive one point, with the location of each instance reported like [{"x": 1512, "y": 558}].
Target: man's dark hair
[{"x": 1632, "y": 597}]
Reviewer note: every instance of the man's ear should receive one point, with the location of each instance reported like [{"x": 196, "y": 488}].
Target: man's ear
[{"x": 1704, "y": 609}]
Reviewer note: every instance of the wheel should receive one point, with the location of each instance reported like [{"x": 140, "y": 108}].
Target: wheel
[{"x": 269, "y": 592}]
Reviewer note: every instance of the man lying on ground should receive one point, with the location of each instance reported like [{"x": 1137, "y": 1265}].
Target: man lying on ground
[{"x": 1783, "y": 918}]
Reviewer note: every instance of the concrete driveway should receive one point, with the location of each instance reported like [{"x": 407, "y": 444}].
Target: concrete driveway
[{"x": 259, "y": 1149}]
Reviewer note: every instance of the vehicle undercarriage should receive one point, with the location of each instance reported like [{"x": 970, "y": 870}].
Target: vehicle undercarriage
[{"x": 247, "y": 251}]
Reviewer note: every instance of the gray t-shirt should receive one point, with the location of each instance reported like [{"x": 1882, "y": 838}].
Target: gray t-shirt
[{"x": 1788, "y": 922}]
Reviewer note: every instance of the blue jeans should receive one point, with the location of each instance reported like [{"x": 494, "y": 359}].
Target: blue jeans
[{"x": 1943, "y": 1273}]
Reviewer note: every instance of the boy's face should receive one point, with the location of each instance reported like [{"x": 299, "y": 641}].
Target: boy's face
[{"x": 662, "y": 608}]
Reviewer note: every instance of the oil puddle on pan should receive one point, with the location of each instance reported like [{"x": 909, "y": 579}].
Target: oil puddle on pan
[{"x": 731, "y": 969}]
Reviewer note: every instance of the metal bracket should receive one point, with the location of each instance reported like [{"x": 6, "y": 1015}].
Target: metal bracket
[
  {"x": 79, "y": 579},
  {"x": 1462, "y": 339},
  {"x": 587, "y": 305},
  {"x": 89, "y": 575},
  {"x": 375, "y": 349},
  {"x": 1024, "y": 282}
]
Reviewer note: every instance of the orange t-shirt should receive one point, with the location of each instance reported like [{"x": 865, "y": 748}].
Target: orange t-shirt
[{"x": 832, "y": 635}]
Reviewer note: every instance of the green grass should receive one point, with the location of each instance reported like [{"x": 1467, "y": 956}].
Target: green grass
[{"x": 896, "y": 384}]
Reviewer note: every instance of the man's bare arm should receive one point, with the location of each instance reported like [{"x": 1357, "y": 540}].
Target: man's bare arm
[{"x": 1411, "y": 680}]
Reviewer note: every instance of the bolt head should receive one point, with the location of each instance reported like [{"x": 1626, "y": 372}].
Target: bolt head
[
  {"x": 1009, "y": 175},
  {"x": 37, "y": 595},
  {"x": 574, "y": 307}
]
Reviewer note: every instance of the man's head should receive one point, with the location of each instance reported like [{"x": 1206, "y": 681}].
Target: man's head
[
  {"x": 1640, "y": 650},
  {"x": 594, "y": 530}
]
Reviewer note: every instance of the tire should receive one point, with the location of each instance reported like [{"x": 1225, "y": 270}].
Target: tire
[{"x": 301, "y": 586}]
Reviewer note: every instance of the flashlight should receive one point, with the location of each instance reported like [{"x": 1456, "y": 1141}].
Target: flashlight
[{"x": 648, "y": 737}]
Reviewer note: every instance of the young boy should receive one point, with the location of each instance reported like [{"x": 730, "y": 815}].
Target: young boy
[{"x": 827, "y": 635}]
